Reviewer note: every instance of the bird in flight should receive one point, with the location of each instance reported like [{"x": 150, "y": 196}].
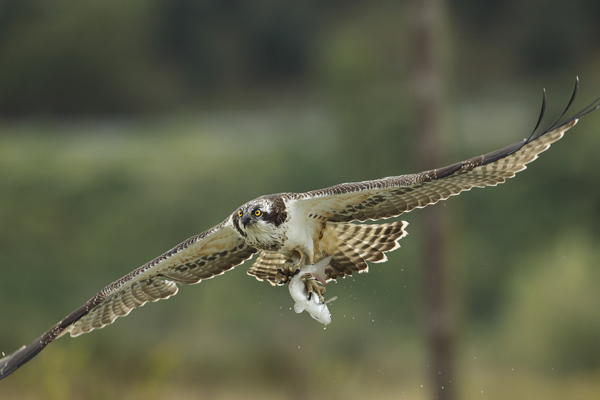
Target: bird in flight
[{"x": 293, "y": 231}]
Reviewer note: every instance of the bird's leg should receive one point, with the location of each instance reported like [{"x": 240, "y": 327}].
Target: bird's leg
[
  {"x": 313, "y": 286},
  {"x": 289, "y": 269}
]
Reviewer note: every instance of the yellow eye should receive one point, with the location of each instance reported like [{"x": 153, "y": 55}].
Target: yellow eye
[
  {"x": 257, "y": 213},
  {"x": 240, "y": 213}
]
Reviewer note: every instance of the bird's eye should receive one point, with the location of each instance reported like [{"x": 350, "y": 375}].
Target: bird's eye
[
  {"x": 257, "y": 213},
  {"x": 240, "y": 213}
]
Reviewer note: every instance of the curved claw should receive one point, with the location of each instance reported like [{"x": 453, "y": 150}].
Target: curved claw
[
  {"x": 286, "y": 272},
  {"x": 313, "y": 286}
]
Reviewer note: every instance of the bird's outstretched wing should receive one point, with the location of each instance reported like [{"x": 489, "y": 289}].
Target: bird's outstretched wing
[
  {"x": 392, "y": 196},
  {"x": 200, "y": 257}
]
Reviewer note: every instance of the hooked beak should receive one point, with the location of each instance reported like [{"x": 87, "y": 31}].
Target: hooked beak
[{"x": 246, "y": 219}]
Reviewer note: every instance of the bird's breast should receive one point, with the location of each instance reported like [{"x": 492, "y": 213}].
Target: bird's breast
[
  {"x": 265, "y": 236},
  {"x": 302, "y": 236}
]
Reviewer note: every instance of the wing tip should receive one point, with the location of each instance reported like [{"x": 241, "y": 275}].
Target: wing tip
[
  {"x": 559, "y": 122},
  {"x": 13, "y": 361}
]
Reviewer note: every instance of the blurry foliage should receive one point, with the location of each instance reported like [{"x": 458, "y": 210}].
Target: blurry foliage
[
  {"x": 552, "y": 318},
  {"x": 529, "y": 31},
  {"x": 68, "y": 57},
  {"x": 105, "y": 57}
]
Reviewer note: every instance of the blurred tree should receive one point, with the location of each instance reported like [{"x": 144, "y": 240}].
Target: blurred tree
[
  {"x": 429, "y": 84},
  {"x": 105, "y": 57},
  {"x": 73, "y": 58}
]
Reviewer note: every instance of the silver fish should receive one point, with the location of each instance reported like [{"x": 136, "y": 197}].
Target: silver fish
[{"x": 311, "y": 301}]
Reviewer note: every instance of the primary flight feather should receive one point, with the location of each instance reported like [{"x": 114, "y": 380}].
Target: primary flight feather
[{"x": 294, "y": 230}]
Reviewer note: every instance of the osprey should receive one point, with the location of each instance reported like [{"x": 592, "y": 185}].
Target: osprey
[{"x": 293, "y": 231}]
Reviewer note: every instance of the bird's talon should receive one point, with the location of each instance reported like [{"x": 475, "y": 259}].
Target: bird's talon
[
  {"x": 313, "y": 286},
  {"x": 286, "y": 272}
]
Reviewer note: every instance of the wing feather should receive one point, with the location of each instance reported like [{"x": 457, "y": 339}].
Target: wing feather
[
  {"x": 200, "y": 257},
  {"x": 392, "y": 196},
  {"x": 265, "y": 266}
]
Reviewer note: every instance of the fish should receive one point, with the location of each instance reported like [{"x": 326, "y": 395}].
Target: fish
[{"x": 311, "y": 301}]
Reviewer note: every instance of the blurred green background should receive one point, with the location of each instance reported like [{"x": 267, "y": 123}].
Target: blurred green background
[{"x": 126, "y": 127}]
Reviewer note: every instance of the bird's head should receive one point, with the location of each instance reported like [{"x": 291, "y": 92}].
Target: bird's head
[
  {"x": 253, "y": 212},
  {"x": 260, "y": 218}
]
